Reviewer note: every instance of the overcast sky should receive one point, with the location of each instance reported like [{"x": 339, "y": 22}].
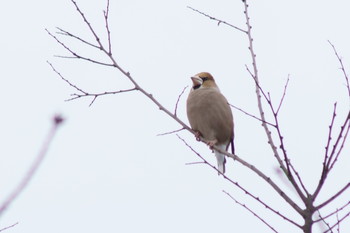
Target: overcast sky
[{"x": 107, "y": 170}]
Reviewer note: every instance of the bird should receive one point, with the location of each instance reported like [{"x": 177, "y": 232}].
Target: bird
[{"x": 210, "y": 116}]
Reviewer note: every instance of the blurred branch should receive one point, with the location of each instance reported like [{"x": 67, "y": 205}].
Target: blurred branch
[
  {"x": 57, "y": 121},
  {"x": 8, "y": 227}
]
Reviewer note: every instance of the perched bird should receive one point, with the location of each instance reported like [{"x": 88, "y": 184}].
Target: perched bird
[{"x": 210, "y": 115}]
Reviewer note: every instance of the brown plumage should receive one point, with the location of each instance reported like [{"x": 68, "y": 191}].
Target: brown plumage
[{"x": 210, "y": 115}]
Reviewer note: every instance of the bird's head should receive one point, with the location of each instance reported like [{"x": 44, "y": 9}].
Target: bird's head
[{"x": 203, "y": 79}]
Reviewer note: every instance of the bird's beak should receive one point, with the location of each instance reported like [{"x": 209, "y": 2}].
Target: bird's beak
[{"x": 197, "y": 81}]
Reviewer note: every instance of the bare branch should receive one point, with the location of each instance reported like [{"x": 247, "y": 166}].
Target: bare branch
[
  {"x": 260, "y": 91},
  {"x": 285, "y": 168},
  {"x": 298, "y": 209},
  {"x": 178, "y": 99},
  {"x": 57, "y": 121},
  {"x": 333, "y": 197},
  {"x": 218, "y": 20},
  {"x": 84, "y": 93},
  {"x": 250, "y": 210},
  {"x": 339, "y": 221},
  {"x": 334, "y": 212},
  {"x": 162, "y": 108},
  {"x": 251, "y": 115}
]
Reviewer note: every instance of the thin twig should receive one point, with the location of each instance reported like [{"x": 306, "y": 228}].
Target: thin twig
[
  {"x": 259, "y": 90},
  {"x": 345, "y": 126},
  {"x": 88, "y": 24},
  {"x": 325, "y": 167},
  {"x": 282, "y": 98},
  {"x": 342, "y": 143},
  {"x": 84, "y": 93},
  {"x": 218, "y": 20},
  {"x": 171, "y": 132},
  {"x": 105, "y": 13},
  {"x": 342, "y": 68},
  {"x": 299, "y": 179},
  {"x": 76, "y": 54},
  {"x": 251, "y": 211},
  {"x": 324, "y": 221},
  {"x": 95, "y": 95},
  {"x": 251, "y": 115},
  {"x": 66, "y": 33},
  {"x": 178, "y": 99},
  {"x": 57, "y": 120},
  {"x": 66, "y": 80},
  {"x": 339, "y": 221},
  {"x": 334, "y": 212},
  {"x": 193, "y": 163}
]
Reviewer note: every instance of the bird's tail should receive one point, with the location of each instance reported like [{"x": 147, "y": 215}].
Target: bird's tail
[{"x": 221, "y": 159}]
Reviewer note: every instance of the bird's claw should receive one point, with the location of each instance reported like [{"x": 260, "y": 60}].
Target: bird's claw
[
  {"x": 212, "y": 143},
  {"x": 197, "y": 134}
]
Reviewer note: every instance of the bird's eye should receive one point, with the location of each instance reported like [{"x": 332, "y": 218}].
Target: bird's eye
[
  {"x": 204, "y": 79},
  {"x": 196, "y": 87}
]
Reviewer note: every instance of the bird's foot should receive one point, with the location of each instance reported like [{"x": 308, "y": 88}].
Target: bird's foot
[
  {"x": 212, "y": 143},
  {"x": 198, "y": 135}
]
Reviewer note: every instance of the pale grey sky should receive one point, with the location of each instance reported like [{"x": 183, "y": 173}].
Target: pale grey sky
[{"x": 106, "y": 170}]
